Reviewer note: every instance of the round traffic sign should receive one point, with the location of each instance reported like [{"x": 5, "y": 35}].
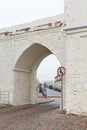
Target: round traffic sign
[{"x": 61, "y": 71}]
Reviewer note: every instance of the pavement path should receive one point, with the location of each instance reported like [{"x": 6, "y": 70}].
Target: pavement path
[
  {"x": 39, "y": 117},
  {"x": 52, "y": 95}
]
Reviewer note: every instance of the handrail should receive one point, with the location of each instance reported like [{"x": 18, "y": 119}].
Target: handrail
[{"x": 4, "y": 96}]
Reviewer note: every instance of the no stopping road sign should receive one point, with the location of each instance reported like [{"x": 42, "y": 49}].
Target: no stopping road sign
[{"x": 61, "y": 71}]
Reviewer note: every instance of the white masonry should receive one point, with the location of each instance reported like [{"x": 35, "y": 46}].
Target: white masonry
[{"x": 23, "y": 47}]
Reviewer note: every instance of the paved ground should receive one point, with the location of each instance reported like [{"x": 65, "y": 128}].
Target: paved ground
[
  {"x": 39, "y": 117},
  {"x": 46, "y": 116},
  {"x": 51, "y": 95},
  {"x": 54, "y": 96}
]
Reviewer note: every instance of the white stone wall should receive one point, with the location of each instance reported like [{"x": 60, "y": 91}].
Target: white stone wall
[
  {"x": 75, "y": 12},
  {"x": 20, "y": 55},
  {"x": 75, "y": 55},
  {"x": 29, "y": 61},
  {"x": 76, "y": 77},
  {"x": 6, "y": 65}
]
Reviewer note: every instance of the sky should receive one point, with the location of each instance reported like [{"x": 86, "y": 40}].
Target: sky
[
  {"x": 21, "y": 11},
  {"x": 13, "y": 12},
  {"x": 48, "y": 68}
]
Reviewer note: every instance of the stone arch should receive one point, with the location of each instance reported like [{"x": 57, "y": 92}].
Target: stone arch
[{"x": 25, "y": 73}]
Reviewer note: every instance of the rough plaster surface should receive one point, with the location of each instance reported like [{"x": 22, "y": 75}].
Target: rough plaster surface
[
  {"x": 76, "y": 78},
  {"x": 75, "y": 12},
  {"x": 21, "y": 54},
  {"x": 31, "y": 58}
]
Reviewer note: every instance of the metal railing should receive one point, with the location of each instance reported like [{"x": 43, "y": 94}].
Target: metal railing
[{"x": 4, "y": 97}]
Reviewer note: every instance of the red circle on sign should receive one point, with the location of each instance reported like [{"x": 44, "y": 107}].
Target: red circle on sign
[{"x": 61, "y": 71}]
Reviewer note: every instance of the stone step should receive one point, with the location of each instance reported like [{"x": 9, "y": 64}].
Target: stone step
[{"x": 2, "y": 105}]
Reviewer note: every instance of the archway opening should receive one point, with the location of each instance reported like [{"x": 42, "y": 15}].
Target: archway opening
[
  {"x": 48, "y": 85},
  {"x": 25, "y": 74}
]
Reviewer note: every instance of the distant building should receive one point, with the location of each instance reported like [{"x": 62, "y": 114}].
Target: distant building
[{"x": 57, "y": 83}]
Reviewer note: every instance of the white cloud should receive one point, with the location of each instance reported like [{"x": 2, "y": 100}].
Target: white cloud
[{"x": 20, "y": 11}]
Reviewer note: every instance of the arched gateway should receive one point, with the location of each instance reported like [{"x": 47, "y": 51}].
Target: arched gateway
[
  {"x": 23, "y": 47},
  {"x": 26, "y": 47},
  {"x": 25, "y": 73}
]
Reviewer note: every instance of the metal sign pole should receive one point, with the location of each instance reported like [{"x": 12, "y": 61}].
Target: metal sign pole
[
  {"x": 61, "y": 93},
  {"x": 61, "y": 71}
]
